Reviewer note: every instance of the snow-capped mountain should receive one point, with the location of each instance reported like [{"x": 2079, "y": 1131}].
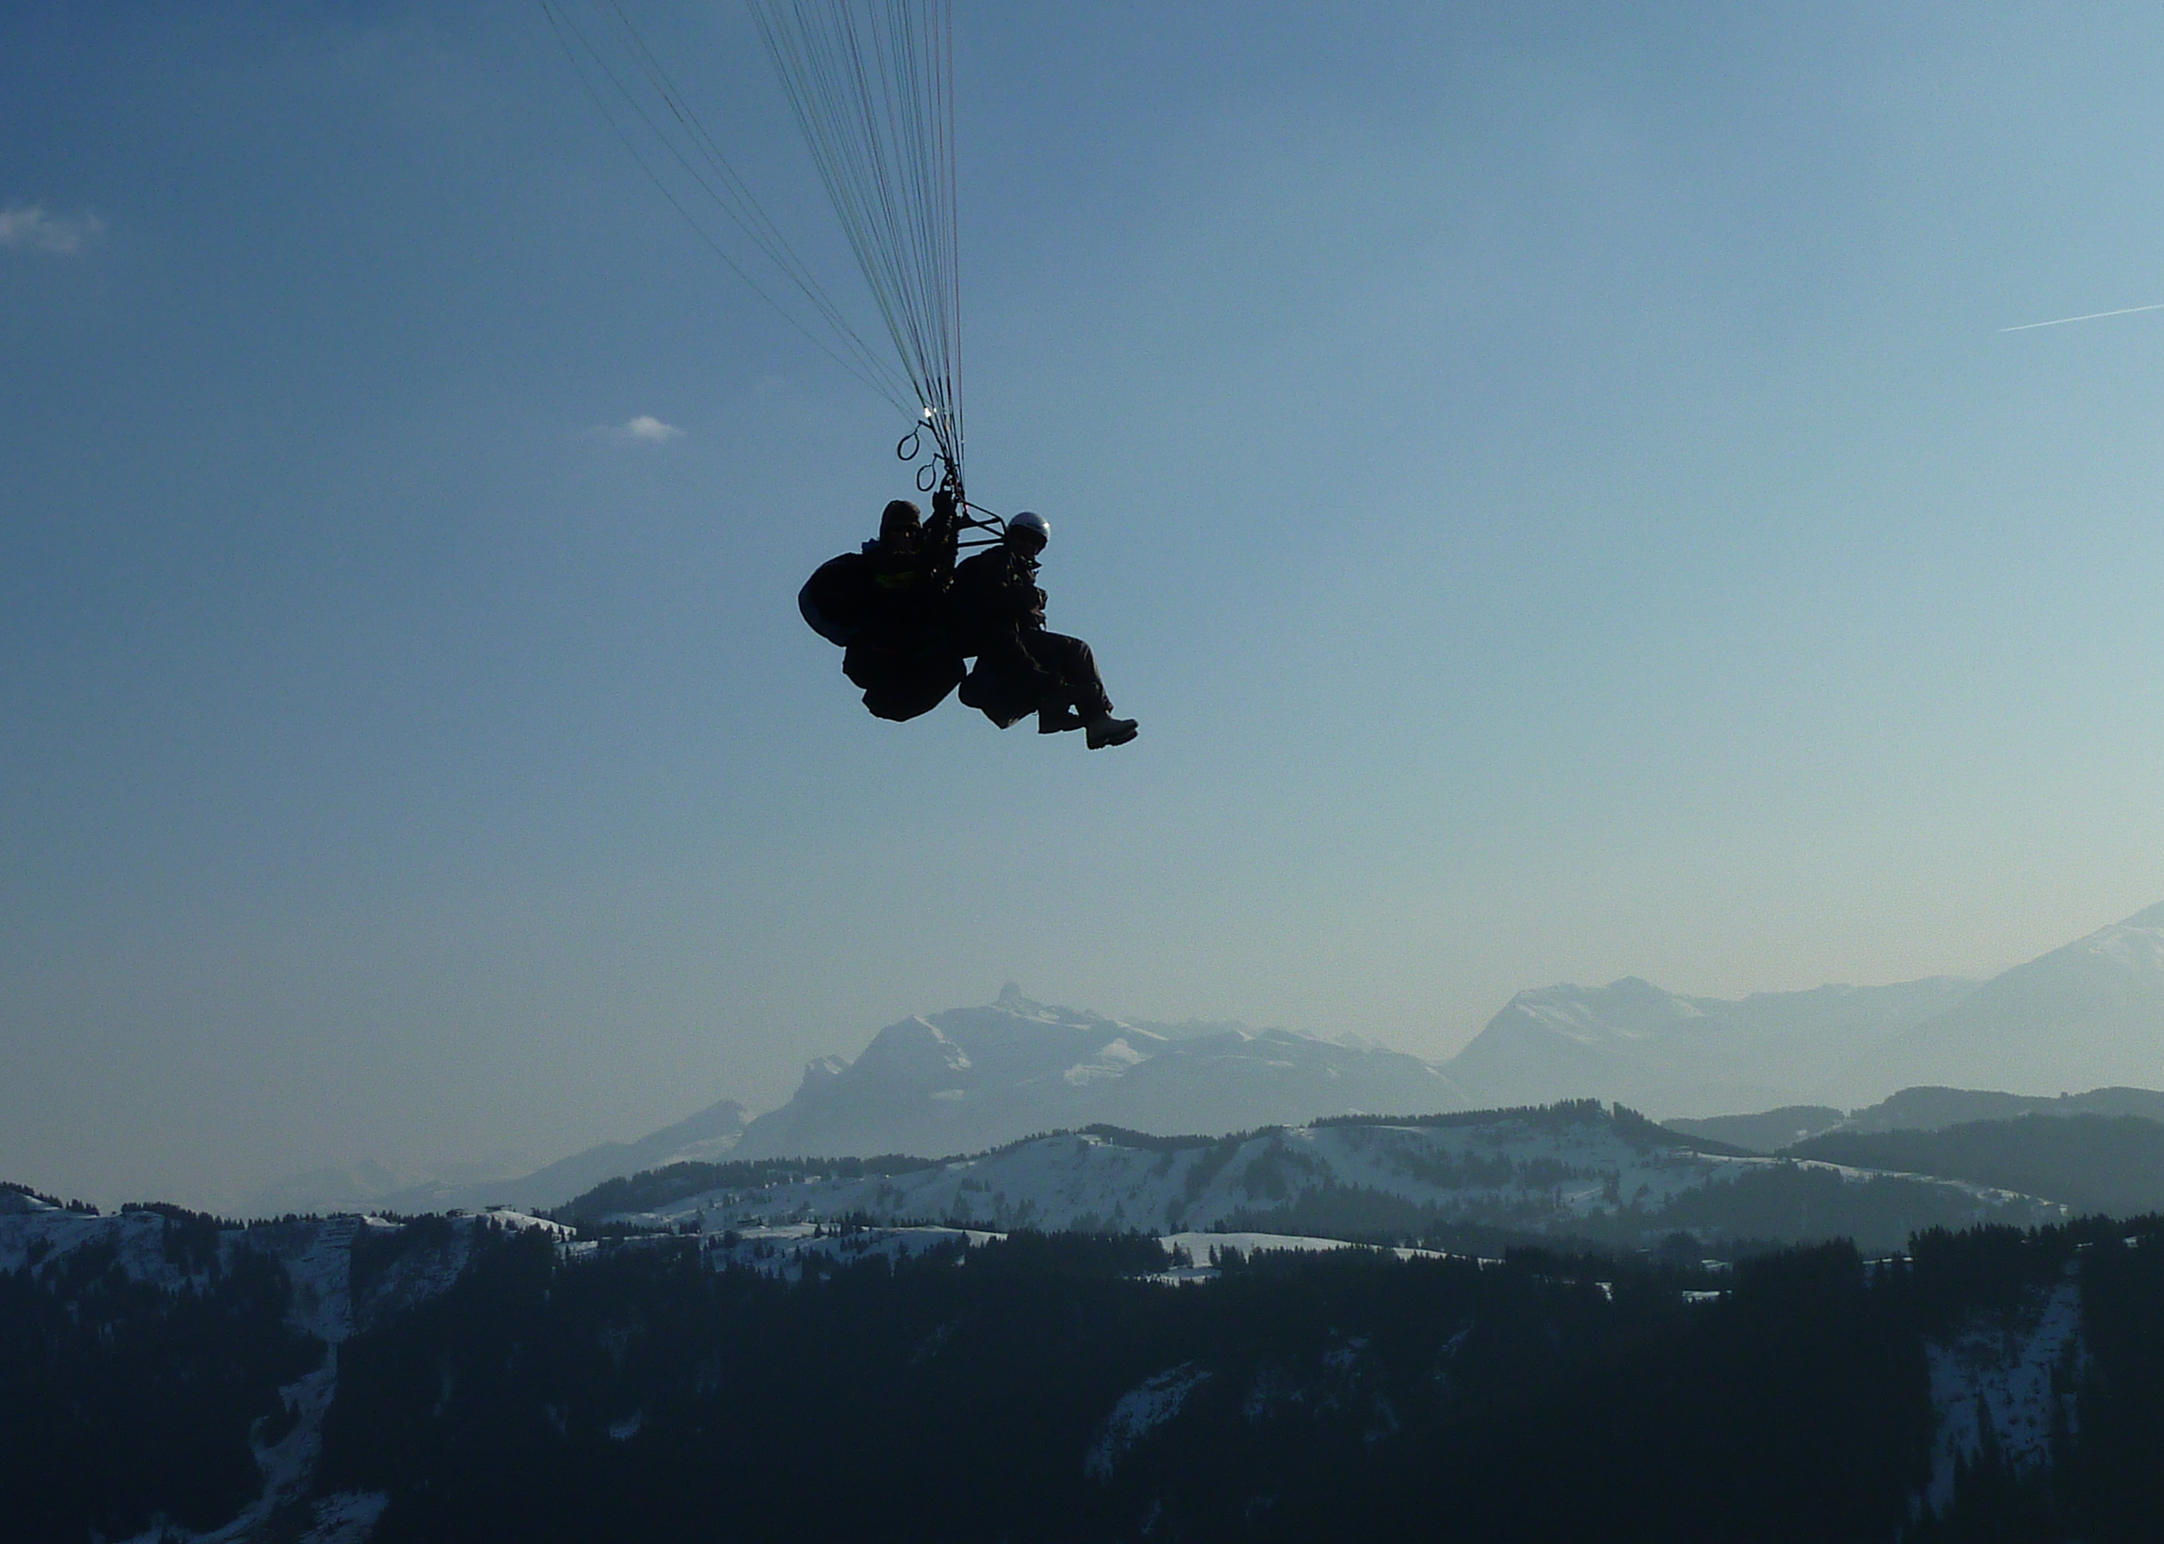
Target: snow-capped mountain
[
  {"x": 972, "y": 1078},
  {"x": 1668, "y": 1054},
  {"x": 2088, "y": 1015}
]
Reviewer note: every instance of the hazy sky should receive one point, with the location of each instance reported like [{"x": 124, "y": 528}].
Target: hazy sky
[{"x": 1547, "y": 478}]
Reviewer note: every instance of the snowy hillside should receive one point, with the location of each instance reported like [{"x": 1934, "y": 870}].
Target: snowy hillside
[
  {"x": 975, "y": 1077},
  {"x": 2005, "y": 1385},
  {"x": 332, "y": 1298},
  {"x": 1564, "y": 1170}
]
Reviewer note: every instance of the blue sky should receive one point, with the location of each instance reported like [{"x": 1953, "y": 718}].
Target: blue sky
[{"x": 1548, "y": 479}]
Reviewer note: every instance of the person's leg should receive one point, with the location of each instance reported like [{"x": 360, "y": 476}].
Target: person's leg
[{"x": 1072, "y": 672}]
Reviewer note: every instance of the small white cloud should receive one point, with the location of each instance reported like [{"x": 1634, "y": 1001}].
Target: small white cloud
[
  {"x": 645, "y": 429},
  {"x": 28, "y": 225}
]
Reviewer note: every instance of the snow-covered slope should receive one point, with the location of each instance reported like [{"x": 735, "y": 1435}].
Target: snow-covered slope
[
  {"x": 1671, "y": 1055},
  {"x": 2000, "y": 1374},
  {"x": 975, "y": 1077},
  {"x": 2085, "y": 1016},
  {"x": 1531, "y": 1171}
]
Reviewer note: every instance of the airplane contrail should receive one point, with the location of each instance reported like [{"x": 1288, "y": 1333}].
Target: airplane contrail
[{"x": 2091, "y": 317}]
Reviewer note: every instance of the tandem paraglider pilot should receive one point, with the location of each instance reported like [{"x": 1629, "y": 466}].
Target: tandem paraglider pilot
[{"x": 908, "y": 617}]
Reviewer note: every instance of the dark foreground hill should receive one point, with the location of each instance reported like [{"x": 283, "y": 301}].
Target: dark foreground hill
[{"x": 469, "y": 1379}]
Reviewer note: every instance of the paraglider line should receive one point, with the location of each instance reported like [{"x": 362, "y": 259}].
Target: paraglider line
[{"x": 865, "y": 367}]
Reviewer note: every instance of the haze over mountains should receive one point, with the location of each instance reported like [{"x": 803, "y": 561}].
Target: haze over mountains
[
  {"x": 974, "y": 1077},
  {"x": 2088, "y": 1014},
  {"x": 370, "y": 1187},
  {"x": 1665, "y": 1053}
]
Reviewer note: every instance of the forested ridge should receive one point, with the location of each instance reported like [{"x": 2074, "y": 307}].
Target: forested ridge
[
  {"x": 1054, "y": 1386},
  {"x": 1299, "y": 1396},
  {"x": 124, "y": 1401},
  {"x": 2094, "y": 1163}
]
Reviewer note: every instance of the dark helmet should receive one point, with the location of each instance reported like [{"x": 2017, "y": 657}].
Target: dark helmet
[
  {"x": 900, "y": 518},
  {"x": 1029, "y": 529}
]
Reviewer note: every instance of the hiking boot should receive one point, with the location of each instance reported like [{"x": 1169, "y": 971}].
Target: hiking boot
[
  {"x": 1058, "y": 720},
  {"x": 1105, "y": 730}
]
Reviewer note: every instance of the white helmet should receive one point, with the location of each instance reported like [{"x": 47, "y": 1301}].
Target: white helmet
[{"x": 1033, "y": 523}]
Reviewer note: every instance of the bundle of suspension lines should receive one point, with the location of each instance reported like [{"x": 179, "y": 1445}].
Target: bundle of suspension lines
[{"x": 871, "y": 83}]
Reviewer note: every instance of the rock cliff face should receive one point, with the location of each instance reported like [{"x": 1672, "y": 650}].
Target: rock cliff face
[{"x": 971, "y": 1078}]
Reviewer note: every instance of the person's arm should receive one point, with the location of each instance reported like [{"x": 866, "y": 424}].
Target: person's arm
[{"x": 1029, "y": 597}]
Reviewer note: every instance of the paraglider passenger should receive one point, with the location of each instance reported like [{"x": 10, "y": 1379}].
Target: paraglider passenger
[
  {"x": 905, "y": 657},
  {"x": 1021, "y": 668},
  {"x": 886, "y": 606}
]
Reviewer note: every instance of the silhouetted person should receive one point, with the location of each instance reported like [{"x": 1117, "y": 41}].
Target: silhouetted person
[
  {"x": 1021, "y": 669},
  {"x": 905, "y": 655},
  {"x": 886, "y": 606}
]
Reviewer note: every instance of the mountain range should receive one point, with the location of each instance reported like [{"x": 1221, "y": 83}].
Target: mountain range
[
  {"x": 2085, "y": 1016},
  {"x": 2088, "y": 1014},
  {"x": 1666, "y": 1053}
]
